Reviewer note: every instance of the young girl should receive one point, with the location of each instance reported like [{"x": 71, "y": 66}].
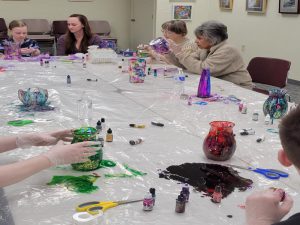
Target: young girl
[{"x": 18, "y": 35}]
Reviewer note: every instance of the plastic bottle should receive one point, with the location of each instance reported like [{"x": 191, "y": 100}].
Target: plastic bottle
[
  {"x": 179, "y": 80},
  {"x": 152, "y": 191},
  {"x": 109, "y": 135},
  {"x": 148, "y": 202},
  {"x": 180, "y": 204},
  {"x": 217, "y": 195},
  {"x": 267, "y": 119},
  {"x": 103, "y": 123},
  {"x": 69, "y": 80},
  {"x": 186, "y": 191},
  {"x": 99, "y": 127}
]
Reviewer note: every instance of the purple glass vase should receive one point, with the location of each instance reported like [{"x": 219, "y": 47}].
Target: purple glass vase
[
  {"x": 160, "y": 45},
  {"x": 204, "y": 84}
]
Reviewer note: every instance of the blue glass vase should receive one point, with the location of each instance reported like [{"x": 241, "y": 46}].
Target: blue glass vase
[{"x": 276, "y": 104}]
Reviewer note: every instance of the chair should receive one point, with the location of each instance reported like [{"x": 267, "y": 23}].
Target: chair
[
  {"x": 3, "y": 29},
  {"x": 37, "y": 26},
  {"x": 59, "y": 27},
  {"x": 100, "y": 27},
  {"x": 270, "y": 71}
]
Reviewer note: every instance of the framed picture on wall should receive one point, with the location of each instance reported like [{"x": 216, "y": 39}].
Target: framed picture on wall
[
  {"x": 226, "y": 4},
  {"x": 289, "y": 6},
  {"x": 182, "y": 12},
  {"x": 256, "y": 6}
]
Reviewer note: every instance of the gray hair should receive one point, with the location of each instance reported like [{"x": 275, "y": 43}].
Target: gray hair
[{"x": 213, "y": 31}]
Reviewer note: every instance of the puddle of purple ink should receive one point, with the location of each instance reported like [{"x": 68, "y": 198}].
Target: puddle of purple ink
[{"x": 204, "y": 177}]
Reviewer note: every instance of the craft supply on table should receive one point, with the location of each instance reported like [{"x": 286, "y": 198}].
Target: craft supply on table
[
  {"x": 137, "y": 125},
  {"x": 180, "y": 204},
  {"x": 158, "y": 124},
  {"x": 94, "y": 80},
  {"x": 247, "y": 131},
  {"x": 217, "y": 195},
  {"x": 109, "y": 135},
  {"x": 152, "y": 191},
  {"x": 272, "y": 174},
  {"x": 91, "y": 212},
  {"x": 260, "y": 139},
  {"x": 148, "y": 202},
  {"x": 136, "y": 142}
]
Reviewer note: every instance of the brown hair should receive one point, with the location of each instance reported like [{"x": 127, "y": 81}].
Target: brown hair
[
  {"x": 70, "y": 41},
  {"x": 177, "y": 27},
  {"x": 16, "y": 23},
  {"x": 165, "y": 25},
  {"x": 289, "y": 131}
]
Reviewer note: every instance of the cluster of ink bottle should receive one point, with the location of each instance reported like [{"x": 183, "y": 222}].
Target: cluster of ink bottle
[{"x": 182, "y": 199}]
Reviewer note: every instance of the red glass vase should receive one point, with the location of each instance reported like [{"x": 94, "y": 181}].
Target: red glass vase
[{"x": 220, "y": 143}]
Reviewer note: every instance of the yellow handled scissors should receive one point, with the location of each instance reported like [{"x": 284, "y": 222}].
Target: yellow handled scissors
[{"x": 94, "y": 207}]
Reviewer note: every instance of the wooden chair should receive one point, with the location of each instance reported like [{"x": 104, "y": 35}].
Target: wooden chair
[
  {"x": 59, "y": 27},
  {"x": 270, "y": 71}
]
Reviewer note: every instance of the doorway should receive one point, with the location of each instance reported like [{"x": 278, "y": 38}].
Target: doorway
[{"x": 142, "y": 24}]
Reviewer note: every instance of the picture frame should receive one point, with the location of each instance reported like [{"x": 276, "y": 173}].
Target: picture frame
[
  {"x": 226, "y": 4},
  {"x": 256, "y": 6},
  {"x": 289, "y": 6},
  {"x": 182, "y": 12}
]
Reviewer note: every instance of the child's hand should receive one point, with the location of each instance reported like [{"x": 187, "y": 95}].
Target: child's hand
[
  {"x": 61, "y": 154},
  {"x": 267, "y": 207}
]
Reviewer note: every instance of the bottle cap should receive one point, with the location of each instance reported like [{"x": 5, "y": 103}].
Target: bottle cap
[
  {"x": 152, "y": 191},
  {"x": 98, "y": 123},
  {"x": 109, "y": 131},
  {"x": 102, "y": 120}
]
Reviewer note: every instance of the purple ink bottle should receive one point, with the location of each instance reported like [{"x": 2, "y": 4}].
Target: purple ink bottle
[
  {"x": 180, "y": 204},
  {"x": 148, "y": 202},
  {"x": 186, "y": 191}
]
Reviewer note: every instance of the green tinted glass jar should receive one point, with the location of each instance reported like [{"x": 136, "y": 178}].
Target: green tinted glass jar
[{"x": 87, "y": 134}]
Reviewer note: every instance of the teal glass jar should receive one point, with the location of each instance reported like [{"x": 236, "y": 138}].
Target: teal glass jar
[{"x": 87, "y": 134}]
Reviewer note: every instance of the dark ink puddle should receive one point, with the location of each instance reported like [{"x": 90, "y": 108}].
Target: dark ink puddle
[{"x": 205, "y": 177}]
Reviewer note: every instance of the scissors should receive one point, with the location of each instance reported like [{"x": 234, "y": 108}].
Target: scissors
[
  {"x": 268, "y": 173},
  {"x": 94, "y": 207}
]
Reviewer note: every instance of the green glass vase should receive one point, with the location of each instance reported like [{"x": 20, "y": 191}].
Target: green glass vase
[{"x": 87, "y": 134}]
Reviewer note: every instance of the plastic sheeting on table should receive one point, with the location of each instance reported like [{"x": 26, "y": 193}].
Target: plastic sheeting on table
[{"x": 121, "y": 103}]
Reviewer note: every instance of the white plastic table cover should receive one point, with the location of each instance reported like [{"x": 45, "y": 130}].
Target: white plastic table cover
[{"x": 31, "y": 201}]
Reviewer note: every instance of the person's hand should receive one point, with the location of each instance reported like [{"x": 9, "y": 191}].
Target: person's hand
[
  {"x": 71, "y": 153},
  {"x": 28, "y": 50},
  {"x": 43, "y": 139},
  {"x": 267, "y": 207}
]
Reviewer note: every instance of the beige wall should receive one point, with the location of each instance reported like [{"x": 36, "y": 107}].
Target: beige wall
[
  {"x": 117, "y": 12},
  {"x": 271, "y": 34}
]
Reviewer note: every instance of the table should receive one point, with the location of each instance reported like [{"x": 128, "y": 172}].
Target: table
[{"x": 121, "y": 103}]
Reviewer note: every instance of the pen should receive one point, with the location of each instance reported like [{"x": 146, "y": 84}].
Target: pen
[
  {"x": 88, "y": 79},
  {"x": 137, "y": 125},
  {"x": 157, "y": 124}
]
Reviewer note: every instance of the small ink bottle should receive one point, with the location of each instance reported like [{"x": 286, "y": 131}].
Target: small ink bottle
[
  {"x": 255, "y": 116},
  {"x": 267, "y": 119},
  {"x": 46, "y": 64},
  {"x": 120, "y": 64},
  {"x": 186, "y": 191},
  {"x": 155, "y": 72},
  {"x": 41, "y": 62},
  {"x": 180, "y": 204},
  {"x": 241, "y": 106},
  {"x": 152, "y": 191},
  {"x": 149, "y": 71},
  {"x": 244, "y": 108},
  {"x": 148, "y": 202},
  {"x": 103, "y": 124},
  {"x": 99, "y": 127},
  {"x": 69, "y": 80},
  {"x": 109, "y": 135},
  {"x": 83, "y": 62},
  {"x": 190, "y": 100},
  {"x": 217, "y": 195}
]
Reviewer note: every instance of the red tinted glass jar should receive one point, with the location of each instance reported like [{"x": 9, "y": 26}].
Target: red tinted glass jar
[{"x": 220, "y": 143}]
